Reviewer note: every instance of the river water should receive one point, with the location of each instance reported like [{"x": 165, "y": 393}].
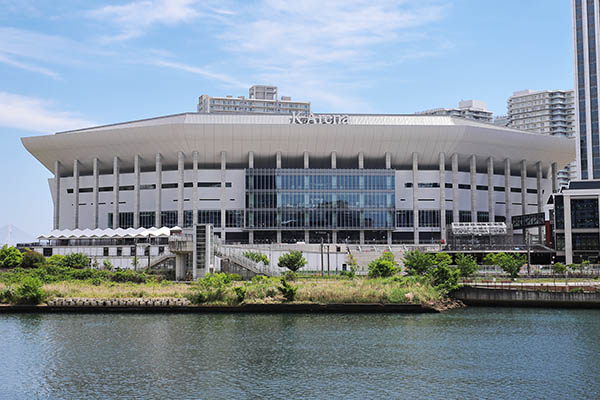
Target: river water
[{"x": 471, "y": 353}]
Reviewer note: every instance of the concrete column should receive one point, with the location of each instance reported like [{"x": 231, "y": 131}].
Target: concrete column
[
  {"x": 76, "y": 194},
  {"x": 279, "y": 236},
  {"x": 334, "y": 237},
  {"x": 473, "y": 182},
  {"x": 95, "y": 178},
  {"x": 251, "y": 159},
  {"x": 491, "y": 203},
  {"x": 361, "y": 160},
  {"x": 540, "y": 204},
  {"x": 278, "y": 160},
  {"x": 136, "y": 191},
  {"x": 223, "y": 193},
  {"x": 415, "y": 176},
  {"x": 251, "y": 237},
  {"x": 443, "y": 196},
  {"x": 389, "y": 237},
  {"x": 56, "y": 195},
  {"x": 388, "y": 160},
  {"x": 278, "y": 212},
  {"x": 306, "y": 237},
  {"x": 507, "y": 201},
  {"x": 116, "y": 176},
  {"x": 180, "y": 186},
  {"x": 306, "y": 160},
  {"x": 554, "y": 178},
  {"x": 158, "y": 191},
  {"x": 568, "y": 231},
  {"x": 333, "y": 160},
  {"x": 455, "y": 204},
  {"x": 361, "y": 238},
  {"x": 523, "y": 187},
  {"x": 179, "y": 266},
  {"x": 195, "y": 190}
]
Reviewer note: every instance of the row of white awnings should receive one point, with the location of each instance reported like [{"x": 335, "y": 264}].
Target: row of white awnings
[
  {"x": 119, "y": 233},
  {"x": 478, "y": 228}
]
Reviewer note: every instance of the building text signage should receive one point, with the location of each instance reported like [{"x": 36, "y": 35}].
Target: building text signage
[{"x": 325, "y": 119}]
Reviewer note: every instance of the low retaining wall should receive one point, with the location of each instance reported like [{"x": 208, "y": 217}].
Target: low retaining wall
[
  {"x": 472, "y": 296},
  {"x": 184, "y": 306}
]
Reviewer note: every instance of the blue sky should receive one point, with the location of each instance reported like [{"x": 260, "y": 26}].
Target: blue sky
[{"x": 75, "y": 63}]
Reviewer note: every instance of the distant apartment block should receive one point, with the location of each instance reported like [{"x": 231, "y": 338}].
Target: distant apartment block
[
  {"x": 469, "y": 109},
  {"x": 261, "y": 99},
  {"x": 501, "y": 120},
  {"x": 549, "y": 112}
]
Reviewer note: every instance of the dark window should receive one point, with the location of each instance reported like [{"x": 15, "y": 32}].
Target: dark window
[
  {"x": 47, "y": 251},
  {"x": 119, "y": 251},
  {"x": 105, "y": 252}
]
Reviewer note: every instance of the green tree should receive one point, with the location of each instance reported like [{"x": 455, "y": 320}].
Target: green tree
[
  {"x": 135, "y": 261},
  {"x": 510, "y": 263},
  {"x": 76, "y": 260},
  {"x": 55, "y": 260},
  {"x": 466, "y": 264},
  {"x": 351, "y": 262},
  {"x": 292, "y": 260},
  {"x": 417, "y": 263},
  {"x": 383, "y": 266},
  {"x": 444, "y": 277},
  {"x": 32, "y": 259},
  {"x": 10, "y": 257},
  {"x": 107, "y": 264},
  {"x": 443, "y": 259}
]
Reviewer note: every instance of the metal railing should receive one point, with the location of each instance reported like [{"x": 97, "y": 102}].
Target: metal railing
[{"x": 236, "y": 255}]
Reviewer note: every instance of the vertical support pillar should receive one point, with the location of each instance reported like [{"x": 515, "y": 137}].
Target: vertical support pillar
[
  {"x": 195, "y": 189},
  {"x": 554, "y": 176},
  {"x": 278, "y": 160},
  {"x": 455, "y": 216},
  {"x": 388, "y": 160},
  {"x": 568, "y": 231},
  {"x": 179, "y": 266},
  {"x": 333, "y": 160},
  {"x": 76, "y": 194},
  {"x": 180, "y": 185},
  {"x": 250, "y": 237},
  {"x": 361, "y": 236},
  {"x": 507, "y": 200},
  {"x": 334, "y": 237},
  {"x": 278, "y": 216},
  {"x": 442, "y": 169},
  {"x": 490, "y": 185},
  {"x": 250, "y": 159},
  {"x": 540, "y": 204},
  {"x": 473, "y": 183},
  {"x": 279, "y": 236},
  {"x": 136, "y": 191},
  {"x": 56, "y": 195},
  {"x": 389, "y": 237},
  {"x": 361, "y": 160},
  {"x": 116, "y": 176},
  {"x": 306, "y": 237},
  {"x": 415, "y": 188},
  {"x": 223, "y": 193},
  {"x": 306, "y": 160},
  {"x": 158, "y": 191},
  {"x": 523, "y": 187},
  {"x": 95, "y": 178}
]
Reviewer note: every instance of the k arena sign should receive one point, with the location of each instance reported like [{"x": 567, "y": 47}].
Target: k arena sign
[{"x": 325, "y": 119}]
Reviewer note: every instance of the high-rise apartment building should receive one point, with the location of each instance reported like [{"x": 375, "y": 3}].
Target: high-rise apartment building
[
  {"x": 470, "y": 109},
  {"x": 549, "y": 112},
  {"x": 261, "y": 99}
]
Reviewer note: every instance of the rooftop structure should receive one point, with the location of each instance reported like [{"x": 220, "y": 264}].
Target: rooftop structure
[
  {"x": 470, "y": 109},
  {"x": 261, "y": 99}
]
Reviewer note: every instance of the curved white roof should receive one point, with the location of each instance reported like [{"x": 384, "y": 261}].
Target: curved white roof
[
  {"x": 119, "y": 233},
  {"x": 210, "y": 134}
]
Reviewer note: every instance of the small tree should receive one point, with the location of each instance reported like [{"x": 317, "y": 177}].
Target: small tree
[
  {"x": 107, "y": 264},
  {"x": 383, "y": 266},
  {"x": 466, "y": 264},
  {"x": 559, "y": 269},
  {"x": 292, "y": 260},
  {"x": 76, "y": 260},
  {"x": 351, "y": 261},
  {"x": 32, "y": 259},
  {"x": 55, "y": 260},
  {"x": 10, "y": 257},
  {"x": 135, "y": 261},
  {"x": 444, "y": 277},
  {"x": 417, "y": 263},
  {"x": 510, "y": 263}
]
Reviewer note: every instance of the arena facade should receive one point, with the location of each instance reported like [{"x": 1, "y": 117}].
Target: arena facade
[{"x": 299, "y": 178}]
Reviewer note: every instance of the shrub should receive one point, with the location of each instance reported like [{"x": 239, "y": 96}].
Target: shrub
[
  {"x": 127, "y": 276},
  {"x": 107, "y": 264},
  {"x": 240, "y": 293},
  {"x": 55, "y": 260},
  {"x": 292, "y": 261},
  {"x": 290, "y": 276},
  {"x": 466, "y": 264},
  {"x": 382, "y": 267},
  {"x": 10, "y": 257},
  {"x": 32, "y": 259},
  {"x": 417, "y": 263},
  {"x": 76, "y": 260},
  {"x": 444, "y": 278},
  {"x": 257, "y": 256},
  {"x": 29, "y": 292},
  {"x": 6, "y": 295},
  {"x": 288, "y": 291}
]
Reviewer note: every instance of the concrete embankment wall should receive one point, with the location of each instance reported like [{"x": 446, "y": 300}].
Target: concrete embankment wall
[{"x": 472, "y": 296}]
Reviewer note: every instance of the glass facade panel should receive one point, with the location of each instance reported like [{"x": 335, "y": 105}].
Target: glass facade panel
[
  {"x": 168, "y": 218},
  {"x": 584, "y": 213},
  {"x": 319, "y": 199},
  {"x": 147, "y": 219}
]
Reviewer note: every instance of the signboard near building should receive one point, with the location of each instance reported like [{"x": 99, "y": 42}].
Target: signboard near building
[{"x": 528, "y": 220}]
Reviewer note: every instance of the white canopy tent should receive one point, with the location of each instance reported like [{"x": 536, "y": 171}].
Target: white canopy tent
[{"x": 119, "y": 233}]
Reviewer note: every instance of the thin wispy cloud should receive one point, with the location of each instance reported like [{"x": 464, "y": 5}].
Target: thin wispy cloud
[
  {"x": 226, "y": 79},
  {"x": 4, "y": 59},
  {"x": 134, "y": 19},
  {"x": 37, "y": 115}
]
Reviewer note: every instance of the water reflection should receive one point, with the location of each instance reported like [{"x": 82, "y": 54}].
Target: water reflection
[{"x": 473, "y": 353}]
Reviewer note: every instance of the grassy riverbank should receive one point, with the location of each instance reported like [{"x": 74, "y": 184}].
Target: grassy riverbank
[{"x": 39, "y": 285}]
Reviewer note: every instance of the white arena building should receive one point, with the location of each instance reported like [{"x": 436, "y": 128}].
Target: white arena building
[{"x": 300, "y": 178}]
